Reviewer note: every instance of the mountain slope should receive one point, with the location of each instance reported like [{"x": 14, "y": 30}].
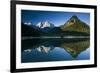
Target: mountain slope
[
  {"x": 75, "y": 24},
  {"x": 28, "y": 30}
]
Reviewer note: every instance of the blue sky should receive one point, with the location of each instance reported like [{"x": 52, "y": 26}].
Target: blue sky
[{"x": 56, "y": 18}]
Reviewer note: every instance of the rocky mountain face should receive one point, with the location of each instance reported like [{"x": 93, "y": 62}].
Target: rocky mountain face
[{"x": 75, "y": 24}]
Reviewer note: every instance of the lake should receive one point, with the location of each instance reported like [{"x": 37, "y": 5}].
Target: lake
[{"x": 54, "y": 49}]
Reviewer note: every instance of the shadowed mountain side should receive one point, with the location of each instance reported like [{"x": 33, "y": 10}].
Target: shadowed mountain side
[
  {"x": 28, "y": 31},
  {"x": 75, "y": 48},
  {"x": 57, "y": 31}
]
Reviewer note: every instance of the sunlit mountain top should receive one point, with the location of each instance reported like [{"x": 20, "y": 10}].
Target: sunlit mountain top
[{"x": 44, "y": 24}]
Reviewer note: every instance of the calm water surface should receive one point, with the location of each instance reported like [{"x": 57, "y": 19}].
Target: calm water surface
[{"x": 43, "y": 50}]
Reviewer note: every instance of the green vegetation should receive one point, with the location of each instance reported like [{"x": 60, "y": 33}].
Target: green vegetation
[{"x": 74, "y": 24}]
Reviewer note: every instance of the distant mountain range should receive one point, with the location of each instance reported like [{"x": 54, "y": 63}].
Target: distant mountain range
[{"x": 73, "y": 27}]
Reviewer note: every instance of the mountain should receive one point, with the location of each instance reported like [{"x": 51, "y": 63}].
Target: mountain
[
  {"x": 28, "y": 30},
  {"x": 73, "y": 27},
  {"x": 75, "y": 24},
  {"x": 45, "y": 24}
]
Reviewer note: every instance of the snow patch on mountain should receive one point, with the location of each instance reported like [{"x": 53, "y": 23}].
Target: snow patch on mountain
[{"x": 45, "y": 24}]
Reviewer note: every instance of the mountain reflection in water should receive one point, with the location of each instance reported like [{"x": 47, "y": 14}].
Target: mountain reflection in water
[{"x": 41, "y": 50}]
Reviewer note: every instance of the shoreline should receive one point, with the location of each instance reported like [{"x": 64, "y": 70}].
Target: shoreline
[{"x": 56, "y": 37}]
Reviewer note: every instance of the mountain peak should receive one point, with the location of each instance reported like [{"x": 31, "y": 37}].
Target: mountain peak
[
  {"x": 73, "y": 20},
  {"x": 45, "y": 24},
  {"x": 74, "y": 16}
]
